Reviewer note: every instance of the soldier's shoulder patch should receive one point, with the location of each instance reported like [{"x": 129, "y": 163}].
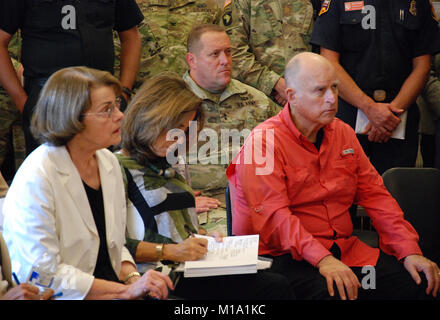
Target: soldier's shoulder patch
[
  {"x": 227, "y": 16},
  {"x": 325, "y": 6}
]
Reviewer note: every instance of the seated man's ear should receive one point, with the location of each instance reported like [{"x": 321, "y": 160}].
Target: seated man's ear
[
  {"x": 291, "y": 95},
  {"x": 190, "y": 59}
]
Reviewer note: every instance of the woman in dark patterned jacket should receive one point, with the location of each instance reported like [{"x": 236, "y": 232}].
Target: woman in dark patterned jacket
[{"x": 161, "y": 205}]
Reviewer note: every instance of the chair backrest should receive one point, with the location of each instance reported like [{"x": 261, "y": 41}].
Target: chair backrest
[
  {"x": 228, "y": 211},
  {"x": 417, "y": 191}
]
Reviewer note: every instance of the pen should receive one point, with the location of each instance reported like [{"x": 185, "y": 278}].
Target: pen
[
  {"x": 14, "y": 275},
  {"x": 187, "y": 229},
  {"x": 176, "y": 279},
  {"x": 56, "y": 295}
]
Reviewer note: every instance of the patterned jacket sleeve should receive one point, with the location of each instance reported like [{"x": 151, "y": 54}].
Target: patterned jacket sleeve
[{"x": 246, "y": 66}]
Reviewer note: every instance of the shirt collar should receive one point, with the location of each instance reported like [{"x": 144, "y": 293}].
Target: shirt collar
[
  {"x": 287, "y": 120},
  {"x": 232, "y": 89}
]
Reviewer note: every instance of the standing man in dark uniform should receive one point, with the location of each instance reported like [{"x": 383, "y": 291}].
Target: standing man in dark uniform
[
  {"x": 64, "y": 33},
  {"x": 382, "y": 52},
  {"x": 316, "y": 7}
]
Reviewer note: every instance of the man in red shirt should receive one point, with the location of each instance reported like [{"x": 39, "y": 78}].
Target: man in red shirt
[{"x": 297, "y": 200}]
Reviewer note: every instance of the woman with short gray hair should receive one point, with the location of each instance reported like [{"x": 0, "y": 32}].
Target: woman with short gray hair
[{"x": 65, "y": 212}]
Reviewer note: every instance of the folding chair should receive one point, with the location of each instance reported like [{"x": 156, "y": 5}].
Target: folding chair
[{"x": 417, "y": 191}]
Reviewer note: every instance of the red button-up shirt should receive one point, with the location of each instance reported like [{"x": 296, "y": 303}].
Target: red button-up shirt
[{"x": 301, "y": 207}]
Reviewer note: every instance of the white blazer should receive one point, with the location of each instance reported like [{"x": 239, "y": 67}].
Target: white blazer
[{"x": 47, "y": 210}]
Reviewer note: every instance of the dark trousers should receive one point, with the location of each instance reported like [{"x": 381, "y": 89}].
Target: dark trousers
[
  {"x": 437, "y": 145},
  {"x": 262, "y": 285},
  {"x": 33, "y": 88},
  {"x": 392, "y": 280},
  {"x": 427, "y": 149},
  {"x": 395, "y": 152}
]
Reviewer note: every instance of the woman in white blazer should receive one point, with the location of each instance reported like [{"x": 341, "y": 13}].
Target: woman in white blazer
[{"x": 65, "y": 212}]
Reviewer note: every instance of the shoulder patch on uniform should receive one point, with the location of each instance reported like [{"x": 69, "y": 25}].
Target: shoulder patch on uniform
[
  {"x": 354, "y": 5},
  {"x": 325, "y": 6},
  {"x": 227, "y": 18}
]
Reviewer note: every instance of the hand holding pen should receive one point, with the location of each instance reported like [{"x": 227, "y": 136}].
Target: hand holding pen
[{"x": 27, "y": 291}]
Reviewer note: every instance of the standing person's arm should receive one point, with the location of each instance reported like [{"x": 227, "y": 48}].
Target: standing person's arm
[
  {"x": 247, "y": 68},
  {"x": 408, "y": 93},
  {"x": 130, "y": 56},
  {"x": 8, "y": 77},
  {"x": 414, "y": 83},
  {"x": 380, "y": 115},
  {"x": 127, "y": 18}
]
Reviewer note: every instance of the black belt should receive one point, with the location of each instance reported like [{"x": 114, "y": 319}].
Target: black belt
[{"x": 376, "y": 94}]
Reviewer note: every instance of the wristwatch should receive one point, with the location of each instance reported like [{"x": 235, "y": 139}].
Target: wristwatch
[
  {"x": 131, "y": 275},
  {"x": 127, "y": 91},
  {"x": 159, "y": 251}
]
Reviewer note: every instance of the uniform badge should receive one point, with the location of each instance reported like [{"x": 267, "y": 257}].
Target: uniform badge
[
  {"x": 227, "y": 18},
  {"x": 413, "y": 7},
  {"x": 354, "y": 5},
  {"x": 325, "y": 7}
]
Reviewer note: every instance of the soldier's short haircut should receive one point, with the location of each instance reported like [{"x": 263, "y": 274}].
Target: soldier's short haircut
[
  {"x": 157, "y": 107},
  {"x": 192, "y": 42},
  {"x": 64, "y": 99}
]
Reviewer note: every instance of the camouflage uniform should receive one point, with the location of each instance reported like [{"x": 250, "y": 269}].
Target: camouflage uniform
[
  {"x": 164, "y": 31},
  {"x": 10, "y": 118},
  {"x": 238, "y": 107},
  {"x": 265, "y": 34}
]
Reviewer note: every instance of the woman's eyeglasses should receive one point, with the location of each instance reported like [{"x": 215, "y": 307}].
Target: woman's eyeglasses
[{"x": 108, "y": 111}]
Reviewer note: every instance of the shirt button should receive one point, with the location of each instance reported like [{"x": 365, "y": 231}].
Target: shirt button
[{"x": 258, "y": 209}]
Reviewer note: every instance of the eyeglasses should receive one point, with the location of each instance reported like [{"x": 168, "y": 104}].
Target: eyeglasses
[{"x": 109, "y": 109}]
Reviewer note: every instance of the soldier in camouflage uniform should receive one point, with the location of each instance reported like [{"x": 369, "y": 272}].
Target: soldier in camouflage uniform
[
  {"x": 164, "y": 31},
  {"x": 11, "y": 132},
  {"x": 236, "y": 107},
  {"x": 265, "y": 34}
]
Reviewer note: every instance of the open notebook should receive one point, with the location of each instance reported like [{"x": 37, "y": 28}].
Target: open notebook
[{"x": 235, "y": 255}]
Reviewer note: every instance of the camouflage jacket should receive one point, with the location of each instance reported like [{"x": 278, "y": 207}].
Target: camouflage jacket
[
  {"x": 10, "y": 117},
  {"x": 265, "y": 34},
  {"x": 164, "y": 31},
  {"x": 231, "y": 114}
]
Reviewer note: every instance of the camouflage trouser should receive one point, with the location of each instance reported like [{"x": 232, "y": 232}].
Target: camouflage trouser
[{"x": 11, "y": 131}]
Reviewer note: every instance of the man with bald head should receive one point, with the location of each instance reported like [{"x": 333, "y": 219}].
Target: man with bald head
[{"x": 300, "y": 207}]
